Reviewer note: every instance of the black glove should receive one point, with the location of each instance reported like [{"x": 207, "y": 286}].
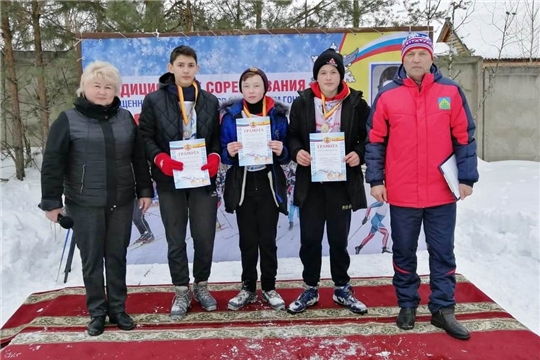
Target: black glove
[{"x": 364, "y": 221}]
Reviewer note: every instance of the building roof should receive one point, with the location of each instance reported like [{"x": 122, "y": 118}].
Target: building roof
[{"x": 445, "y": 36}]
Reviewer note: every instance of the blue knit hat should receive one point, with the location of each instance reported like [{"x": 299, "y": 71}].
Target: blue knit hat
[{"x": 415, "y": 41}]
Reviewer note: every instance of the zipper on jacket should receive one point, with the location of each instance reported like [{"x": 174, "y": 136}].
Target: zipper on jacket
[{"x": 82, "y": 178}]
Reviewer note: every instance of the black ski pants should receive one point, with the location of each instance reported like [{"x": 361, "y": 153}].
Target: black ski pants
[{"x": 326, "y": 203}]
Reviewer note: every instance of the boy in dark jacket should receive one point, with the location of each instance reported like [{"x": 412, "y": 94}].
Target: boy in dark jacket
[
  {"x": 328, "y": 106},
  {"x": 257, "y": 193},
  {"x": 181, "y": 110}
]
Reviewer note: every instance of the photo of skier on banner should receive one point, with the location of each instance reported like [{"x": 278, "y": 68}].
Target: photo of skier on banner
[
  {"x": 293, "y": 209},
  {"x": 146, "y": 235},
  {"x": 376, "y": 226}
]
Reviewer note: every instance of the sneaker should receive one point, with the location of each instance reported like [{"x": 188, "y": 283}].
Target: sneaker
[
  {"x": 145, "y": 238},
  {"x": 203, "y": 296},
  {"x": 358, "y": 248},
  {"x": 122, "y": 320},
  {"x": 308, "y": 297},
  {"x": 291, "y": 225},
  {"x": 406, "y": 318},
  {"x": 386, "y": 250},
  {"x": 243, "y": 298},
  {"x": 344, "y": 295},
  {"x": 274, "y": 299},
  {"x": 96, "y": 325},
  {"x": 446, "y": 320},
  {"x": 181, "y": 302}
]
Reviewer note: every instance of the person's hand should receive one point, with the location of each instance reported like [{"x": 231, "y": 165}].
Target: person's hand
[
  {"x": 212, "y": 164},
  {"x": 233, "y": 148},
  {"x": 352, "y": 159},
  {"x": 364, "y": 220},
  {"x": 303, "y": 158},
  {"x": 379, "y": 192},
  {"x": 145, "y": 203},
  {"x": 464, "y": 191},
  {"x": 276, "y": 146},
  {"x": 167, "y": 165},
  {"x": 53, "y": 214}
]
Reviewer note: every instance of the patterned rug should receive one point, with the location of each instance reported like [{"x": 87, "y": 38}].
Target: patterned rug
[{"x": 51, "y": 325}]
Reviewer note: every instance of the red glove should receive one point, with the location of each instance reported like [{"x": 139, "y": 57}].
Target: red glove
[
  {"x": 167, "y": 165},
  {"x": 212, "y": 164}
]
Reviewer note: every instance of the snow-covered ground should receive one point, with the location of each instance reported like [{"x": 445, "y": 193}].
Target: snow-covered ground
[{"x": 497, "y": 244}]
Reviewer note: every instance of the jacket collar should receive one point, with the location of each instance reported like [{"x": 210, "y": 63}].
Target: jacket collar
[
  {"x": 401, "y": 77},
  {"x": 94, "y": 111},
  {"x": 234, "y": 106},
  {"x": 342, "y": 94}
]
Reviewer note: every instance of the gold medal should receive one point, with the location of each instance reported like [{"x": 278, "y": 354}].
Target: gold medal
[
  {"x": 324, "y": 128},
  {"x": 186, "y": 134}
]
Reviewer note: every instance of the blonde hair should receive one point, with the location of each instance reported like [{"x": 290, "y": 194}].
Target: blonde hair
[{"x": 100, "y": 70}]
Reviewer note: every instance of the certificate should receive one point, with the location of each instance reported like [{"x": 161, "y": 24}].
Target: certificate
[
  {"x": 192, "y": 153},
  {"x": 450, "y": 172},
  {"x": 254, "y": 134},
  {"x": 327, "y": 151}
]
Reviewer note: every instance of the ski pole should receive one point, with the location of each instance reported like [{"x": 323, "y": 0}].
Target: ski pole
[{"x": 62, "y": 257}]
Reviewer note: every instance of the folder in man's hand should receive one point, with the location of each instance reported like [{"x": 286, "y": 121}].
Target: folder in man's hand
[{"x": 450, "y": 172}]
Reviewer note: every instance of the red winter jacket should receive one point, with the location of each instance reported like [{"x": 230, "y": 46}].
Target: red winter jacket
[{"x": 411, "y": 131}]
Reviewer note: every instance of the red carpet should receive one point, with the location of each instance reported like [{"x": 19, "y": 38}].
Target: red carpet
[{"x": 51, "y": 325}]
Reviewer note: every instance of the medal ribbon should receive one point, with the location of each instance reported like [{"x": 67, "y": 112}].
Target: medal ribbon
[
  {"x": 329, "y": 113},
  {"x": 185, "y": 117},
  {"x": 248, "y": 114}
]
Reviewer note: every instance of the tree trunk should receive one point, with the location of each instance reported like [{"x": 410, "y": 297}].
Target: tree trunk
[
  {"x": 306, "y": 12},
  {"x": 189, "y": 17},
  {"x": 42, "y": 88},
  {"x": 13, "y": 92},
  {"x": 258, "y": 13},
  {"x": 238, "y": 19},
  {"x": 356, "y": 14}
]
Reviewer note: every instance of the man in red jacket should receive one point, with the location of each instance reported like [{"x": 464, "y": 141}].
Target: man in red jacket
[{"x": 416, "y": 123}]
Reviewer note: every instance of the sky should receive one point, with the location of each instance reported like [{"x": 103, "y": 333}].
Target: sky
[
  {"x": 482, "y": 25},
  {"x": 497, "y": 244}
]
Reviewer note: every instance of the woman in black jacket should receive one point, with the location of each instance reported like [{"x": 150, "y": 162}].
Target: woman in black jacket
[
  {"x": 328, "y": 106},
  {"x": 95, "y": 158}
]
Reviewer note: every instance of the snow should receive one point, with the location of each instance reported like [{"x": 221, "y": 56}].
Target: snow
[{"x": 497, "y": 244}]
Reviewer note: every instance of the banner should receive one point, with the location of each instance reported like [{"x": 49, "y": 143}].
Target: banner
[{"x": 370, "y": 58}]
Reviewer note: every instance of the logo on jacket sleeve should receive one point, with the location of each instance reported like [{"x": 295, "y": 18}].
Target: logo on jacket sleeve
[{"x": 444, "y": 103}]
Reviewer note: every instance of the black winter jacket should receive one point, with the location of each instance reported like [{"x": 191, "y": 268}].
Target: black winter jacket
[
  {"x": 95, "y": 157},
  {"x": 161, "y": 122},
  {"x": 354, "y": 114}
]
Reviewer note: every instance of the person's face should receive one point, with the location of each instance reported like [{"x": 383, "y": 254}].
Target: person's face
[
  {"x": 253, "y": 89},
  {"x": 184, "y": 69},
  {"x": 99, "y": 92},
  {"x": 417, "y": 63},
  {"x": 328, "y": 79}
]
